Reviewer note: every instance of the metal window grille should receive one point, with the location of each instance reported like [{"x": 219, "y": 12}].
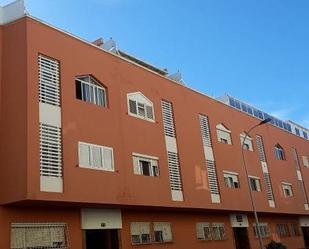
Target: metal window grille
[
  {"x": 49, "y": 80},
  {"x": 174, "y": 171},
  {"x": 168, "y": 119},
  {"x": 39, "y": 236},
  {"x": 50, "y": 151}
]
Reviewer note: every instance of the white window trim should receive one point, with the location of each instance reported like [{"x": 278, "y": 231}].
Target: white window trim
[
  {"x": 147, "y": 158},
  {"x": 145, "y": 104},
  {"x": 93, "y": 168},
  {"x": 97, "y": 85},
  {"x": 232, "y": 175},
  {"x": 286, "y": 184},
  {"x": 247, "y": 142}
]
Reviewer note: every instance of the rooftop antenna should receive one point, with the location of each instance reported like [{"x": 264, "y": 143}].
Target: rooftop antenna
[{"x": 176, "y": 77}]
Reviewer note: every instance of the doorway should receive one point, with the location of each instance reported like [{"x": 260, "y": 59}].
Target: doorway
[
  {"x": 101, "y": 239},
  {"x": 241, "y": 238},
  {"x": 305, "y": 231}
]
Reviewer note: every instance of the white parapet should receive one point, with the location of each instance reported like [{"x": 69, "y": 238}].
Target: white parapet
[{"x": 12, "y": 11}]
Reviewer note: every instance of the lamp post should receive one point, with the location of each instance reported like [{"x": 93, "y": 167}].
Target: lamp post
[{"x": 248, "y": 180}]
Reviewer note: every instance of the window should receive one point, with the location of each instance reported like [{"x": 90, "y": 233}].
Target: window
[
  {"x": 218, "y": 231},
  {"x": 255, "y": 183},
  {"x": 95, "y": 156},
  {"x": 283, "y": 230},
  {"x": 145, "y": 165},
  {"x": 231, "y": 179},
  {"x": 203, "y": 231},
  {"x": 39, "y": 235},
  {"x": 247, "y": 145},
  {"x": 279, "y": 152},
  {"x": 140, "y": 233},
  {"x": 297, "y": 131},
  {"x": 162, "y": 232},
  {"x": 287, "y": 189},
  {"x": 139, "y": 106},
  {"x": 305, "y": 161},
  {"x": 305, "y": 134},
  {"x": 90, "y": 90},
  {"x": 264, "y": 230},
  {"x": 223, "y": 134},
  {"x": 294, "y": 230}
]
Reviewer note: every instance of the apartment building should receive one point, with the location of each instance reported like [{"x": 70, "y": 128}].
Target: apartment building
[{"x": 102, "y": 150}]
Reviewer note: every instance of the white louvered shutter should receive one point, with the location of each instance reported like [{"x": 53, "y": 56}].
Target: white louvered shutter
[
  {"x": 174, "y": 171},
  {"x": 269, "y": 190},
  {"x": 149, "y": 112},
  {"x": 132, "y": 106},
  {"x": 49, "y": 81},
  {"x": 168, "y": 119},
  {"x": 205, "y": 132},
  {"x": 84, "y": 154},
  {"x": 260, "y": 146},
  {"x": 212, "y": 177},
  {"x": 50, "y": 151}
]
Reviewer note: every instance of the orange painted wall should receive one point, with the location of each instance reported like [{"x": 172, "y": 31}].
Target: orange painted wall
[
  {"x": 29, "y": 214},
  {"x": 184, "y": 230},
  {"x": 13, "y": 132},
  {"x": 113, "y": 127}
]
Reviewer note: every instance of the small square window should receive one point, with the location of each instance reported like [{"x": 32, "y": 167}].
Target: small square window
[
  {"x": 145, "y": 165},
  {"x": 255, "y": 184}
]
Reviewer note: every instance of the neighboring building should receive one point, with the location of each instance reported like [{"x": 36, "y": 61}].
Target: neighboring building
[{"x": 102, "y": 150}]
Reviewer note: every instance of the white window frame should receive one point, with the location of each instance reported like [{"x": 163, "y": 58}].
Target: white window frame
[
  {"x": 203, "y": 231},
  {"x": 230, "y": 178},
  {"x": 94, "y": 85},
  {"x": 264, "y": 230},
  {"x": 257, "y": 182},
  {"x": 223, "y": 134},
  {"x": 247, "y": 145},
  {"x": 142, "y": 101},
  {"x": 91, "y": 166},
  {"x": 305, "y": 161},
  {"x": 153, "y": 161},
  {"x": 166, "y": 229},
  {"x": 140, "y": 229},
  {"x": 287, "y": 186},
  {"x": 218, "y": 231}
]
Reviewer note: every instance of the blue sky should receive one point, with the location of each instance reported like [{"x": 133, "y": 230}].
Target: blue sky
[{"x": 254, "y": 50}]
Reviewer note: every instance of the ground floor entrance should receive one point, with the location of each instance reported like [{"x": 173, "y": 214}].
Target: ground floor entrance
[
  {"x": 101, "y": 239},
  {"x": 305, "y": 231},
  {"x": 241, "y": 238}
]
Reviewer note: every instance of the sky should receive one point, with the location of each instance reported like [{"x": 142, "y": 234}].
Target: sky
[{"x": 254, "y": 50}]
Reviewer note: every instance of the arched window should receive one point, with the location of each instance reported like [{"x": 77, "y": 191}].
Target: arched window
[
  {"x": 223, "y": 134},
  {"x": 90, "y": 90},
  {"x": 139, "y": 106},
  {"x": 279, "y": 152}
]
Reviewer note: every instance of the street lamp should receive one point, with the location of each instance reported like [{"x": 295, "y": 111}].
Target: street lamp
[{"x": 250, "y": 189}]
